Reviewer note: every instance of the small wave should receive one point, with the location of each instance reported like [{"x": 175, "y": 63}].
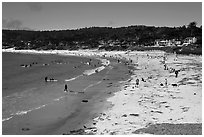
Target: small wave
[
  {"x": 6, "y": 119},
  {"x": 27, "y": 111},
  {"x": 71, "y": 79},
  {"x": 57, "y": 99},
  {"x": 91, "y": 85},
  {"x": 92, "y": 71}
]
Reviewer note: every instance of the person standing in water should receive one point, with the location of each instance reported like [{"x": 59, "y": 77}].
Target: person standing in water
[
  {"x": 66, "y": 88},
  {"x": 45, "y": 79}
]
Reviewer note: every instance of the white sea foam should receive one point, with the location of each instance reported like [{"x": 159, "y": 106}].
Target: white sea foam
[
  {"x": 92, "y": 71},
  {"x": 71, "y": 79},
  {"x": 91, "y": 85},
  {"x": 24, "y": 112},
  {"x": 6, "y": 119}
]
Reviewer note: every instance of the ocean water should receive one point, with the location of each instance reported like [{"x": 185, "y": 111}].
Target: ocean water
[{"x": 23, "y": 86}]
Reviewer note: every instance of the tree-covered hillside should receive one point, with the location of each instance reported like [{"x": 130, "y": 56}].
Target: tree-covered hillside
[{"x": 94, "y": 37}]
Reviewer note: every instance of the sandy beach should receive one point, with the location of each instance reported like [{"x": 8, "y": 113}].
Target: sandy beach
[
  {"x": 112, "y": 102},
  {"x": 176, "y": 104}
]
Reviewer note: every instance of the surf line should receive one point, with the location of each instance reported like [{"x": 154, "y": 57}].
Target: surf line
[
  {"x": 71, "y": 79},
  {"x": 94, "y": 84},
  {"x": 5, "y": 119},
  {"x": 91, "y": 85},
  {"x": 23, "y": 112},
  {"x": 32, "y": 109}
]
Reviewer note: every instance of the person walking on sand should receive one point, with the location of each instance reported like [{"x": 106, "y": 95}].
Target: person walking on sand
[
  {"x": 66, "y": 88},
  {"x": 176, "y": 72},
  {"x": 166, "y": 84},
  {"x": 165, "y": 67},
  {"x": 137, "y": 83}
]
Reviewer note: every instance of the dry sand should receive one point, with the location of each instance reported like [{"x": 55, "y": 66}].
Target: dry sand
[{"x": 135, "y": 108}]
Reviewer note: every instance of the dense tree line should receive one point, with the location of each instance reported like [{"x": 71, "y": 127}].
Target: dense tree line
[{"x": 92, "y": 37}]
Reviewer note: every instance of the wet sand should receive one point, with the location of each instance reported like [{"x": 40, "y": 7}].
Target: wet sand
[{"x": 69, "y": 112}]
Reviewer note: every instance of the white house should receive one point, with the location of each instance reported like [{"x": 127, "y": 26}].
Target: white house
[{"x": 190, "y": 40}]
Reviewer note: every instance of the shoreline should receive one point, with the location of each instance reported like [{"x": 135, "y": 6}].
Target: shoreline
[
  {"x": 114, "y": 120},
  {"x": 29, "y": 117}
]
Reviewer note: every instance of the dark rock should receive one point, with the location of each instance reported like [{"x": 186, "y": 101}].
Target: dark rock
[
  {"x": 163, "y": 102},
  {"x": 174, "y": 85},
  {"x": 77, "y": 132},
  {"x": 134, "y": 115},
  {"x": 113, "y": 133},
  {"x": 25, "y": 129},
  {"x": 124, "y": 115},
  {"x": 85, "y": 100}
]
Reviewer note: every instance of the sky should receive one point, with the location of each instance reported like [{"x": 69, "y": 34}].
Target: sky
[{"x": 67, "y": 15}]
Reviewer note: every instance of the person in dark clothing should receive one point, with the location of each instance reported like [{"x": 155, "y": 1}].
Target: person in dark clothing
[
  {"x": 165, "y": 67},
  {"x": 66, "y": 88},
  {"x": 176, "y": 72},
  {"x": 45, "y": 79},
  {"x": 137, "y": 83},
  {"x": 166, "y": 84}
]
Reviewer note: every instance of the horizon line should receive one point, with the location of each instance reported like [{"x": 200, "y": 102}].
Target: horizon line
[{"x": 99, "y": 27}]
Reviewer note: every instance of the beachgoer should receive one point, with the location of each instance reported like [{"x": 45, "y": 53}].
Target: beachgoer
[
  {"x": 137, "y": 82},
  {"x": 118, "y": 61},
  {"x": 45, "y": 79},
  {"x": 51, "y": 79},
  {"x": 176, "y": 72},
  {"x": 166, "y": 82},
  {"x": 66, "y": 88},
  {"x": 165, "y": 67}
]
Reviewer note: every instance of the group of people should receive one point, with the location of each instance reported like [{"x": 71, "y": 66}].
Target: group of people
[
  {"x": 27, "y": 66},
  {"x": 172, "y": 70},
  {"x": 49, "y": 80},
  {"x": 137, "y": 82}
]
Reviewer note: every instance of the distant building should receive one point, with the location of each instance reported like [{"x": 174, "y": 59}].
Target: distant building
[
  {"x": 190, "y": 40},
  {"x": 163, "y": 43},
  {"x": 177, "y": 42}
]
